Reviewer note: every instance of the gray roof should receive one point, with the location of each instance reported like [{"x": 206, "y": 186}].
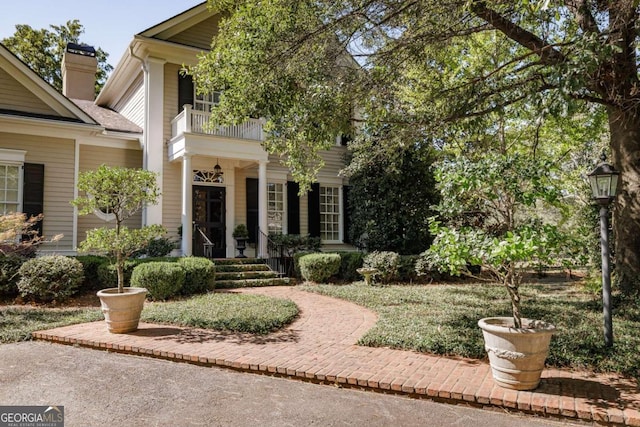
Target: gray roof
[{"x": 110, "y": 119}]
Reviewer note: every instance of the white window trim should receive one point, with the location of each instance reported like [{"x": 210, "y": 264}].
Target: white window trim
[
  {"x": 15, "y": 158},
  {"x": 285, "y": 228},
  {"x": 340, "y": 213}
]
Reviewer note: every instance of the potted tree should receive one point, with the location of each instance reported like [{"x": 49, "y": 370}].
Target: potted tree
[
  {"x": 494, "y": 209},
  {"x": 241, "y": 234},
  {"x": 119, "y": 193}
]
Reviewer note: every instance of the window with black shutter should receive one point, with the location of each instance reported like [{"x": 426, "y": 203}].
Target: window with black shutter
[
  {"x": 346, "y": 220},
  {"x": 314, "y": 210},
  {"x": 185, "y": 91},
  {"x": 33, "y": 192},
  {"x": 252, "y": 208},
  {"x": 293, "y": 208}
]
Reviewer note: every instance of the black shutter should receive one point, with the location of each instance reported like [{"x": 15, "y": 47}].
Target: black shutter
[
  {"x": 345, "y": 140},
  {"x": 33, "y": 192},
  {"x": 314, "y": 210},
  {"x": 293, "y": 208},
  {"x": 252, "y": 209},
  {"x": 185, "y": 91},
  {"x": 346, "y": 218}
]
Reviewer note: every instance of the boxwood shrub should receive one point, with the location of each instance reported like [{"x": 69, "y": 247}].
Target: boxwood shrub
[
  {"x": 349, "y": 263},
  {"x": 90, "y": 266},
  {"x": 162, "y": 279},
  {"x": 199, "y": 275},
  {"x": 387, "y": 264},
  {"x": 319, "y": 267},
  {"x": 108, "y": 275},
  {"x": 9, "y": 267},
  {"x": 48, "y": 278}
]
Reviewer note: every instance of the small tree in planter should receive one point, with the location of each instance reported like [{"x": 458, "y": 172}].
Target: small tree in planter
[
  {"x": 498, "y": 211},
  {"x": 121, "y": 192}
]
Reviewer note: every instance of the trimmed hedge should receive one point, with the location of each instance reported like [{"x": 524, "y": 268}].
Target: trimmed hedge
[
  {"x": 200, "y": 275},
  {"x": 349, "y": 263},
  {"x": 162, "y": 279},
  {"x": 90, "y": 266},
  {"x": 52, "y": 277},
  {"x": 9, "y": 277},
  {"x": 319, "y": 267},
  {"x": 108, "y": 274}
]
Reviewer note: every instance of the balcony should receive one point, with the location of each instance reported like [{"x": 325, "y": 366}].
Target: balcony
[{"x": 193, "y": 121}]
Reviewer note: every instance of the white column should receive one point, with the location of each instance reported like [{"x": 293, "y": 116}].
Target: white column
[
  {"x": 262, "y": 207},
  {"x": 154, "y": 150},
  {"x": 187, "y": 206}
]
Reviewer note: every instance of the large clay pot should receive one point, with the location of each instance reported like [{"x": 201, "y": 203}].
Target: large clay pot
[
  {"x": 122, "y": 310},
  {"x": 516, "y": 355}
]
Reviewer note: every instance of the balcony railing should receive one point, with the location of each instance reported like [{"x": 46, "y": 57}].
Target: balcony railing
[{"x": 193, "y": 121}]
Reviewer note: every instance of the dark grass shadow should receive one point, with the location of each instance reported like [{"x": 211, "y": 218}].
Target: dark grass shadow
[
  {"x": 192, "y": 335},
  {"x": 594, "y": 391}
]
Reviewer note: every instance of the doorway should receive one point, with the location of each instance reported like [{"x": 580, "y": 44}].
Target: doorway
[{"x": 209, "y": 220}]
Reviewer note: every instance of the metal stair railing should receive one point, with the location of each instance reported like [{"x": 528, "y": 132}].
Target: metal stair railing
[
  {"x": 207, "y": 245},
  {"x": 277, "y": 258}
]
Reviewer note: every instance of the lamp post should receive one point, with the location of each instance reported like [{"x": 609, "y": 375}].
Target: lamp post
[{"x": 604, "y": 184}]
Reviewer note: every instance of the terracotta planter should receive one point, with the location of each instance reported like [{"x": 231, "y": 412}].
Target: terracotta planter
[
  {"x": 516, "y": 355},
  {"x": 122, "y": 311}
]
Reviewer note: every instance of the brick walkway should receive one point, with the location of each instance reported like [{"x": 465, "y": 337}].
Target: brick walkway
[{"x": 319, "y": 347}]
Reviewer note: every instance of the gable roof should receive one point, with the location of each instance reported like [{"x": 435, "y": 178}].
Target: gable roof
[
  {"x": 182, "y": 21},
  {"x": 109, "y": 119},
  {"x": 43, "y": 100}
]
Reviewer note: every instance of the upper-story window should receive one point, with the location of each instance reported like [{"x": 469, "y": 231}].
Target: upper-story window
[{"x": 205, "y": 102}]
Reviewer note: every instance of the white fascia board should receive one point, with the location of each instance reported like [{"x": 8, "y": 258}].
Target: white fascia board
[
  {"x": 46, "y": 127},
  {"x": 113, "y": 140}
]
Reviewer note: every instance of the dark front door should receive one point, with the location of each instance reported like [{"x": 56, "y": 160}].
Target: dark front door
[{"x": 208, "y": 217}]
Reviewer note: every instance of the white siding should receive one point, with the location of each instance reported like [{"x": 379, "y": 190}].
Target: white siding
[
  {"x": 57, "y": 155},
  {"x": 14, "y": 96},
  {"x": 91, "y": 157},
  {"x": 131, "y": 105}
]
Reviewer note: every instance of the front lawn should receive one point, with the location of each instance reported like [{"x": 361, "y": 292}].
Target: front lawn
[
  {"x": 220, "y": 311},
  {"x": 442, "y": 319}
]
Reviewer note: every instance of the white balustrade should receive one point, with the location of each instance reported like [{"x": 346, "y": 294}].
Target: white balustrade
[{"x": 190, "y": 120}]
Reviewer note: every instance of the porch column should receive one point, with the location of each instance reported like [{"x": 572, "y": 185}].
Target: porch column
[
  {"x": 262, "y": 208},
  {"x": 187, "y": 208}
]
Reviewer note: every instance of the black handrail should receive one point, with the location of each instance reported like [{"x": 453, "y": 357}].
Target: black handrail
[
  {"x": 207, "y": 245},
  {"x": 277, "y": 258}
]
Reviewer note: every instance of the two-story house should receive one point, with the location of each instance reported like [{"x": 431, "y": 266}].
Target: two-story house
[{"x": 149, "y": 115}]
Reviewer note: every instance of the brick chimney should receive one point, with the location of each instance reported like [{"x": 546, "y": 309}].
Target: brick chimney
[{"x": 79, "y": 66}]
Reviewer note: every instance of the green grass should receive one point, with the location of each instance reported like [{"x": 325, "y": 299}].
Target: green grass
[
  {"x": 255, "y": 314},
  {"x": 17, "y": 322},
  {"x": 442, "y": 319}
]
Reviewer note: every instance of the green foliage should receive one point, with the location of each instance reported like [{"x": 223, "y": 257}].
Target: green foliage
[
  {"x": 108, "y": 274},
  {"x": 240, "y": 232},
  {"x": 90, "y": 266},
  {"x": 319, "y": 267},
  {"x": 390, "y": 196},
  {"x": 42, "y": 51},
  {"x": 407, "y": 268},
  {"x": 385, "y": 262},
  {"x": 294, "y": 243},
  {"x": 122, "y": 192},
  {"x": 349, "y": 263},
  {"x": 51, "y": 277},
  {"x": 256, "y": 314},
  {"x": 296, "y": 262},
  {"x": 9, "y": 267},
  {"x": 200, "y": 275},
  {"x": 158, "y": 247},
  {"x": 162, "y": 279}
]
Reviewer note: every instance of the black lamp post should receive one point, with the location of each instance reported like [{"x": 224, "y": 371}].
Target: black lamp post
[{"x": 604, "y": 184}]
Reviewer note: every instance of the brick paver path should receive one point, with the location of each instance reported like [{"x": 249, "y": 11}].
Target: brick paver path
[{"x": 320, "y": 346}]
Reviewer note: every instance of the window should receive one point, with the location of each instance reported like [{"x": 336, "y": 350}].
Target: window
[
  {"x": 275, "y": 207},
  {"x": 205, "y": 102},
  {"x": 10, "y": 188},
  {"x": 330, "y": 213}
]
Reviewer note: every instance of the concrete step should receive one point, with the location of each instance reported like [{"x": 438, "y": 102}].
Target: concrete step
[
  {"x": 251, "y": 283},
  {"x": 241, "y": 275}
]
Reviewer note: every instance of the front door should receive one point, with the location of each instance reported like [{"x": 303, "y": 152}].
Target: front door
[{"x": 209, "y": 219}]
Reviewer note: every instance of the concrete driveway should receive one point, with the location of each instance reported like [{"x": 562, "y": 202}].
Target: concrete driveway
[{"x": 98, "y": 388}]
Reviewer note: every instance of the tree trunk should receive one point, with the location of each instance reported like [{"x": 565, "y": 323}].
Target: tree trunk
[{"x": 624, "y": 126}]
